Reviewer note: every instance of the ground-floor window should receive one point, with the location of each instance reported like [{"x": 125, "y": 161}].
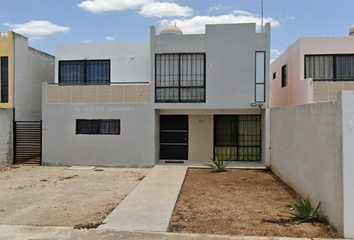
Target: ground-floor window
[
  {"x": 237, "y": 137},
  {"x": 98, "y": 126}
]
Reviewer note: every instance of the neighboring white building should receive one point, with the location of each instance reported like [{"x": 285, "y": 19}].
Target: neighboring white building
[
  {"x": 313, "y": 70},
  {"x": 23, "y": 69},
  {"x": 179, "y": 97}
]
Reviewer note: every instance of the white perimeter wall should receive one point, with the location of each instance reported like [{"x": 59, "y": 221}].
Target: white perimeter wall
[
  {"x": 346, "y": 99},
  {"x": 312, "y": 151}
]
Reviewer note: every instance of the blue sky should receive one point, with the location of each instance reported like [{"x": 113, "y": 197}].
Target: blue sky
[{"x": 52, "y": 22}]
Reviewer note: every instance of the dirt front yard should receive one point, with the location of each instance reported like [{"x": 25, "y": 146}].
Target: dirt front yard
[
  {"x": 56, "y": 196},
  {"x": 240, "y": 202}
]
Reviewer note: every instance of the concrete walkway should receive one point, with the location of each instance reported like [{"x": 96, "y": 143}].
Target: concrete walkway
[
  {"x": 149, "y": 206},
  {"x": 255, "y": 165},
  {"x": 8, "y": 232}
]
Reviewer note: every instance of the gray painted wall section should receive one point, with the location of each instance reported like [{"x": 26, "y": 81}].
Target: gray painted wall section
[
  {"x": 6, "y": 140},
  {"x": 31, "y": 69},
  {"x": 134, "y": 147},
  {"x": 130, "y": 62},
  {"x": 306, "y": 143},
  {"x": 230, "y": 63},
  {"x": 192, "y": 43}
]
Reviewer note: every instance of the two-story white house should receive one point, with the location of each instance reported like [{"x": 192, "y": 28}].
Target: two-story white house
[{"x": 180, "y": 97}]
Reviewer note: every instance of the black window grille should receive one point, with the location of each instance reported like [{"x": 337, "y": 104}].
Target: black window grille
[
  {"x": 237, "y": 137},
  {"x": 337, "y": 67},
  {"x": 284, "y": 76},
  {"x": 4, "y": 79},
  {"x": 98, "y": 126},
  {"x": 180, "y": 77},
  {"x": 85, "y": 72}
]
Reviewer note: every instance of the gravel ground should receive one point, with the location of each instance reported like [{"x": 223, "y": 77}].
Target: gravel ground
[
  {"x": 57, "y": 196},
  {"x": 240, "y": 202}
]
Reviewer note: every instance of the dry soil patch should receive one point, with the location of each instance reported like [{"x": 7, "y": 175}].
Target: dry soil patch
[
  {"x": 55, "y": 196},
  {"x": 239, "y": 202}
]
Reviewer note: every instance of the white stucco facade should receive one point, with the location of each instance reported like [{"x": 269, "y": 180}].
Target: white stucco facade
[
  {"x": 230, "y": 63},
  {"x": 130, "y": 62}
]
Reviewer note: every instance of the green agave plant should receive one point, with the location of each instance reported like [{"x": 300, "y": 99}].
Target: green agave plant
[
  {"x": 218, "y": 165},
  {"x": 303, "y": 210}
]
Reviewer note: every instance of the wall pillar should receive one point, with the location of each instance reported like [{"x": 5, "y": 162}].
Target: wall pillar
[
  {"x": 346, "y": 99},
  {"x": 266, "y": 137}
]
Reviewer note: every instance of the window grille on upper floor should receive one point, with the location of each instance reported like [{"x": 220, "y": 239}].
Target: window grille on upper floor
[
  {"x": 85, "y": 72},
  {"x": 338, "y": 67},
  {"x": 180, "y": 77}
]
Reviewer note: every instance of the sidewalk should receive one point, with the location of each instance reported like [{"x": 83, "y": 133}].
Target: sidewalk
[
  {"x": 8, "y": 232},
  {"x": 150, "y": 205}
]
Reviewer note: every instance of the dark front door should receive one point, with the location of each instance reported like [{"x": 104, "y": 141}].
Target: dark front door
[{"x": 174, "y": 137}]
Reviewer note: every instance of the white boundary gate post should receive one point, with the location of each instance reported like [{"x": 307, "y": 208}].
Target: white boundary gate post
[{"x": 346, "y": 98}]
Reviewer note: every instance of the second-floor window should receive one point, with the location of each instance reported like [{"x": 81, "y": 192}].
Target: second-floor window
[
  {"x": 260, "y": 77},
  {"x": 329, "y": 67},
  {"x": 4, "y": 79},
  {"x": 84, "y": 72},
  {"x": 180, "y": 77},
  {"x": 284, "y": 76}
]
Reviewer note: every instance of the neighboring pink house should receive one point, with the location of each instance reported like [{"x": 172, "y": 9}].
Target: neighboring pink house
[{"x": 313, "y": 70}]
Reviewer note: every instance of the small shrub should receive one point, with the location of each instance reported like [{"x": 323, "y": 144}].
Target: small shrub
[
  {"x": 218, "y": 165},
  {"x": 303, "y": 210}
]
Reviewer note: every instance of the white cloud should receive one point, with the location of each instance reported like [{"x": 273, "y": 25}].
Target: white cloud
[
  {"x": 215, "y": 8},
  {"x": 218, "y": 8},
  {"x": 99, "y": 6},
  {"x": 240, "y": 12},
  {"x": 165, "y": 9},
  {"x": 87, "y": 41},
  {"x": 37, "y": 29},
  {"x": 275, "y": 52},
  {"x": 287, "y": 18},
  {"x": 109, "y": 38},
  {"x": 197, "y": 23}
]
